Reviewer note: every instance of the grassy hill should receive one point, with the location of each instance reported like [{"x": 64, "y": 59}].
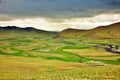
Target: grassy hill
[
  {"x": 28, "y": 32},
  {"x": 102, "y": 32}
]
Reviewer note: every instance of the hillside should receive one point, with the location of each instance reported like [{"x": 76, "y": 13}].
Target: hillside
[
  {"x": 102, "y": 32},
  {"x": 28, "y": 32}
]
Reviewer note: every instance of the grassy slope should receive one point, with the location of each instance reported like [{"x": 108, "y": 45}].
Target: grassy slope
[
  {"x": 103, "y": 32},
  {"x": 16, "y": 32},
  {"x": 23, "y": 68}
]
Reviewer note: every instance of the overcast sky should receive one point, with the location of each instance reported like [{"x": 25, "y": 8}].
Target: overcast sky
[{"x": 56, "y": 15}]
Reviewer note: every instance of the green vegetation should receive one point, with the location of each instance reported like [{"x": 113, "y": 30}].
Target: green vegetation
[
  {"x": 37, "y": 58},
  {"x": 55, "y": 49},
  {"x": 67, "y": 56}
]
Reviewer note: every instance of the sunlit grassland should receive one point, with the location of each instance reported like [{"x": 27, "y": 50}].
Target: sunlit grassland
[
  {"x": 37, "y": 58},
  {"x": 25, "y": 68},
  {"x": 97, "y": 55},
  {"x": 90, "y": 52}
]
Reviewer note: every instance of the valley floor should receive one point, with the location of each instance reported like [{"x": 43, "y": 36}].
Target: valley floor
[
  {"x": 24, "y": 68},
  {"x": 57, "y": 59}
]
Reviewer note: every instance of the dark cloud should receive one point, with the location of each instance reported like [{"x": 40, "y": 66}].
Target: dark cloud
[
  {"x": 59, "y": 8},
  {"x": 112, "y": 3},
  {"x": 115, "y": 3},
  {"x": 1, "y": 1}
]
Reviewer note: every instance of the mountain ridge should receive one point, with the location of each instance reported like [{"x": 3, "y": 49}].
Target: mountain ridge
[
  {"x": 18, "y": 32},
  {"x": 26, "y": 28},
  {"x": 101, "y": 32}
]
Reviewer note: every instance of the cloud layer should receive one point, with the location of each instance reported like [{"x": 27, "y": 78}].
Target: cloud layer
[
  {"x": 58, "y": 8},
  {"x": 59, "y": 14},
  {"x": 61, "y": 24}
]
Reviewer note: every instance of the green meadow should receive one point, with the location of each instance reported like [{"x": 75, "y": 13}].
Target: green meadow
[{"x": 36, "y": 58}]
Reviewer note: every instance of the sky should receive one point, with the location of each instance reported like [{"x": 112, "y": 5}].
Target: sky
[{"x": 57, "y": 15}]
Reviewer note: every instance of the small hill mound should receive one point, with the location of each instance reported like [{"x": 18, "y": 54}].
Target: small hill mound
[
  {"x": 102, "y": 32},
  {"x": 17, "y": 32}
]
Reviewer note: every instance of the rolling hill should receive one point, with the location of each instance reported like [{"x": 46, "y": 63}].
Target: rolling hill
[
  {"x": 102, "y": 32},
  {"x": 28, "y": 32}
]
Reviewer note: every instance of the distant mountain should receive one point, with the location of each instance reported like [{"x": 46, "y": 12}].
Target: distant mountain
[
  {"x": 17, "y": 32},
  {"x": 14, "y": 28},
  {"x": 102, "y": 32}
]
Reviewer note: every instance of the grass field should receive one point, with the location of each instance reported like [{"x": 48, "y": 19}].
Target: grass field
[
  {"x": 57, "y": 59},
  {"x": 96, "y": 54},
  {"x": 24, "y": 68}
]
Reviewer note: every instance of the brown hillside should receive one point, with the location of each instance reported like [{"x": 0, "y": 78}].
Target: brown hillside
[{"x": 102, "y": 32}]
